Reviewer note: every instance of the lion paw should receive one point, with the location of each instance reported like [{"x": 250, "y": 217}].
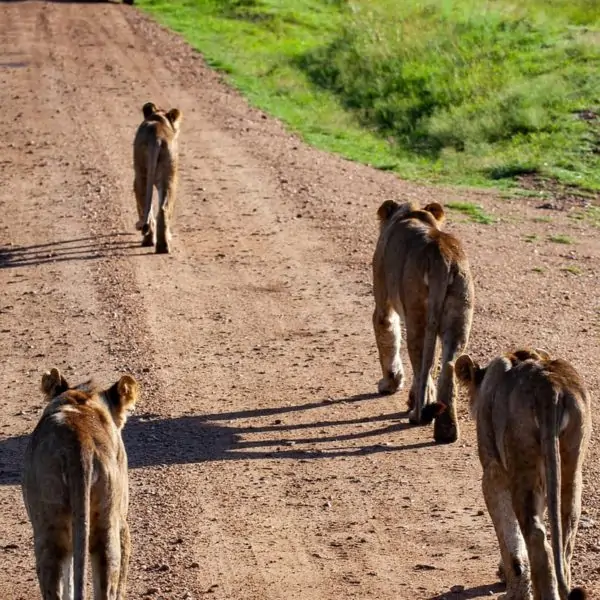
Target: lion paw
[
  {"x": 445, "y": 428},
  {"x": 412, "y": 417},
  {"x": 390, "y": 385}
]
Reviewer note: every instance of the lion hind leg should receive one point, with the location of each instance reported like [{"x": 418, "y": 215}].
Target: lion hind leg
[
  {"x": 446, "y": 429},
  {"x": 106, "y": 562},
  {"x": 125, "y": 540},
  {"x": 386, "y": 324},
  {"x": 455, "y": 327},
  {"x": 570, "y": 499},
  {"x": 166, "y": 196},
  {"x": 513, "y": 550},
  {"x": 139, "y": 186},
  {"x": 50, "y": 559},
  {"x": 529, "y": 506},
  {"x": 423, "y": 390},
  {"x": 67, "y": 577}
]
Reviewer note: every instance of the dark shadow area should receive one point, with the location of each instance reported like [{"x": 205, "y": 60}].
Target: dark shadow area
[
  {"x": 87, "y": 248},
  {"x": 479, "y": 591},
  {"x": 152, "y": 440},
  {"x": 12, "y": 451},
  {"x": 279, "y": 410},
  {"x": 192, "y": 439},
  {"x": 17, "y": 64}
]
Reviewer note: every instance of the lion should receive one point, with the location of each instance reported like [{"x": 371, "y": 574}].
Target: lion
[
  {"x": 421, "y": 275},
  {"x": 75, "y": 488},
  {"x": 155, "y": 162},
  {"x": 533, "y": 420}
]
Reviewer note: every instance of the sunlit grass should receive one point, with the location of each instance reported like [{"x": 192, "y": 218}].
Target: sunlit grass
[{"x": 453, "y": 91}]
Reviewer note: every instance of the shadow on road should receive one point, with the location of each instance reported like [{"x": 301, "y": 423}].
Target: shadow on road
[
  {"x": 280, "y": 410},
  {"x": 86, "y": 248},
  {"x": 481, "y": 591},
  {"x": 152, "y": 440}
]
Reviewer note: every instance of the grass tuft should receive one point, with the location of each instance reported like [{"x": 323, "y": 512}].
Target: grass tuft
[
  {"x": 591, "y": 215},
  {"x": 573, "y": 270},
  {"x": 561, "y": 239},
  {"x": 475, "y": 212}
]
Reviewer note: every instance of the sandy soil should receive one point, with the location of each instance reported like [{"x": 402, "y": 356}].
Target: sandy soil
[{"x": 263, "y": 466}]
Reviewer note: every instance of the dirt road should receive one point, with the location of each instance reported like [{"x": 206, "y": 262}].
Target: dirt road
[{"x": 262, "y": 464}]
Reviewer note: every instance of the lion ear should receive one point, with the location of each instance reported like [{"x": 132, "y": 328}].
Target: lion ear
[
  {"x": 129, "y": 392},
  {"x": 175, "y": 116},
  {"x": 121, "y": 398},
  {"x": 386, "y": 210},
  {"x": 465, "y": 368},
  {"x": 148, "y": 109},
  {"x": 53, "y": 384},
  {"x": 543, "y": 354},
  {"x": 437, "y": 210}
]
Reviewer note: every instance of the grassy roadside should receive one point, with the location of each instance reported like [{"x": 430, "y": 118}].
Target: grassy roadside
[{"x": 447, "y": 91}]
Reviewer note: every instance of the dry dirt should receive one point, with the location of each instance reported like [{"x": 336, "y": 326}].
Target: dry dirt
[{"x": 263, "y": 466}]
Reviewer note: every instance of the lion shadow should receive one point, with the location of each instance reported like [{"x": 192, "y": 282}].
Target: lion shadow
[
  {"x": 480, "y": 591},
  {"x": 77, "y": 249},
  {"x": 152, "y": 440}
]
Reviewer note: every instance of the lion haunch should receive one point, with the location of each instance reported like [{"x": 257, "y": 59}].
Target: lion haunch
[
  {"x": 421, "y": 275},
  {"x": 75, "y": 488},
  {"x": 533, "y": 422},
  {"x": 155, "y": 162}
]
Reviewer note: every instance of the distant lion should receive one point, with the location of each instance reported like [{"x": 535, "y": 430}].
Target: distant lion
[
  {"x": 533, "y": 420},
  {"x": 155, "y": 162},
  {"x": 421, "y": 275},
  {"x": 75, "y": 488}
]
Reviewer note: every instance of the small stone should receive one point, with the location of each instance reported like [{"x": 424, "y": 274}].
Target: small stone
[
  {"x": 586, "y": 523},
  {"x": 11, "y": 547}
]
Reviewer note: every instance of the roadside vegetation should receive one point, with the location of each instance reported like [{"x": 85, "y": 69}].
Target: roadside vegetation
[{"x": 447, "y": 91}]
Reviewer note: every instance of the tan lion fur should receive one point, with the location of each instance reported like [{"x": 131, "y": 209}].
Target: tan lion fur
[
  {"x": 533, "y": 422},
  {"x": 75, "y": 488},
  {"x": 155, "y": 162},
  {"x": 421, "y": 275}
]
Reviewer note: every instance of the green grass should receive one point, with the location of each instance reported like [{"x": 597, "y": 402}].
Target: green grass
[
  {"x": 590, "y": 215},
  {"x": 449, "y": 91},
  {"x": 572, "y": 270},
  {"x": 475, "y": 212},
  {"x": 530, "y": 238},
  {"x": 561, "y": 239}
]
